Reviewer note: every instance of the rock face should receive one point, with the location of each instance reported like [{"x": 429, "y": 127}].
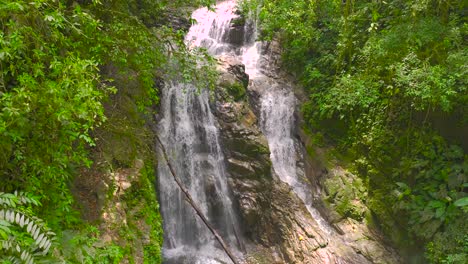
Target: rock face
[
  {"x": 236, "y": 33},
  {"x": 274, "y": 218},
  {"x": 235, "y": 36}
]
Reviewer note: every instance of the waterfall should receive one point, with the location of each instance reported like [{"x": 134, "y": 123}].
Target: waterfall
[
  {"x": 277, "y": 114},
  {"x": 188, "y": 130},
  {"x": 211, "y": 29},
  {"x": 278, "y": 104}
]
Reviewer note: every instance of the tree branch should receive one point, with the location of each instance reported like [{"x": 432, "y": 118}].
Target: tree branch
[{"x": 194, "y": 206}]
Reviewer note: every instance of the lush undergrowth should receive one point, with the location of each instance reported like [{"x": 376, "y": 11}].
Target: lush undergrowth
[
  {"x": 387, "y": 82},
  {"x": 58, "y": 65}
]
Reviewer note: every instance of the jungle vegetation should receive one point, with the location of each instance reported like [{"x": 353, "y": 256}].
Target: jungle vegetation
[
  {"x": 59, "y": 65},
  {"x": 387, "y": 85}
]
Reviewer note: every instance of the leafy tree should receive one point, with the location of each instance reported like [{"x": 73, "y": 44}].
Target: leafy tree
[
  {"x": 58, "y": 65},
  {"x": 379, "y": 73},
  {"x": 51, "y": 98}
]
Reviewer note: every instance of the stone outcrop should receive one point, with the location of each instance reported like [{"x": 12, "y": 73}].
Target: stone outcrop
[
  {"x": 273, "y": 217},
  {"x": 236, "y": 33},
  {"x": 275, "y": 220},
  {"x": 235, "y": 36}
]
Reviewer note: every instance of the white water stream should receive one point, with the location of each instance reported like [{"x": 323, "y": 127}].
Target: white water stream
[
  {"x": 278, "y": 104},
  {"x": 188, "y": 129}
]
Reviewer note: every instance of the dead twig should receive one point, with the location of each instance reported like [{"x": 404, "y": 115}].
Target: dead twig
[{"x": 194, "y": 206}]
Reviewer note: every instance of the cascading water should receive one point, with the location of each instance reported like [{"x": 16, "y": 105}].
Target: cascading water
[
  {"x": 278, "y": 104},
  {"x": 277, "y": 114},
  {"x": 188, "y": 130},
  {"x": 212, "y": 28}
]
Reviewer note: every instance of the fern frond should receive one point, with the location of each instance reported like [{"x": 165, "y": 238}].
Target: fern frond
[
  {"x": 8, "y": 199},
  {"x": 12, "y": 200},
  {"x": 14, "y": 215},
  {"x": 35, "y": 227},
  {"x": 10, "y": 259},
  {"x": 14, "y": 253}
]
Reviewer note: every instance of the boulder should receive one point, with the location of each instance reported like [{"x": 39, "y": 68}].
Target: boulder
[{"x": 236, "y": 33}]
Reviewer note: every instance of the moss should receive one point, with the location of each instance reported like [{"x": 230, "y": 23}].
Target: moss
[
  {"x": 235, "y": 89},
  {"x": 347, "y": 209},
  {"x": 262, "y": 150},
  {"x": 123, "y": 137},
  {"x": 318, "y": 139},
  {"x": 311, "y": 151},
  {"x": 346, "y": 194},
  {"x": 152, "y": 251},
  {"x": 381, "y": 207},
  {"x": 125, "y": 146},
  {"x": 145, "y": 223}
]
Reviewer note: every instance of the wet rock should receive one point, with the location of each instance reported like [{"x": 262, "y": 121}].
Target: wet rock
[
  {"x": 232, "y": 82},
  {"x": 239, "y": 71},
  {"x": 232, "y": 70},
  {"x": 343, "y": 206},
  {"x": 275, "y": 219},
  {"x": 273, "y": 216},
  {"x": 236, "y": 33}
]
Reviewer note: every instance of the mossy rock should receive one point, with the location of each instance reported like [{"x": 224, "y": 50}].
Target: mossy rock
[
  {"x": 236, "y": 90},
  {"x": 144, "y": 220},
  {"x": 350, "y": 208},
  {"x": 239, "y": 21},
  {"x": 246, "y": 147},
  {"x": 346, "y": 194}
]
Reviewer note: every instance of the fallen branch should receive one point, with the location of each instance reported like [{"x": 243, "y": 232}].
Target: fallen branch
[{"x": 194, "y": 206}]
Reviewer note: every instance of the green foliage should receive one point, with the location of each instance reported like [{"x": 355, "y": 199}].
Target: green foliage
[
  {"x": 84, "y": 247},
  {"x": 237, "y": 90},
  {"x": 58, "y": 66},
  {"x": 450, "y": 246},
  {"x": 144, "y": 190},
  {"x": 247, "y": 9},
  {"x": 435, "y": 174},
  {"x": 24, "y": 238},
  {"x": 51, "y": 98},
  {"x": 379, "y": 73}
]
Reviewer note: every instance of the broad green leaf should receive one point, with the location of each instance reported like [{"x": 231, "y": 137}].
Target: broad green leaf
[{"x": 461, "y": 202}]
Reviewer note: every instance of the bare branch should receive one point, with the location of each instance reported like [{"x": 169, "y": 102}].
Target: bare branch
[{"x": 195, "y": 207}]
